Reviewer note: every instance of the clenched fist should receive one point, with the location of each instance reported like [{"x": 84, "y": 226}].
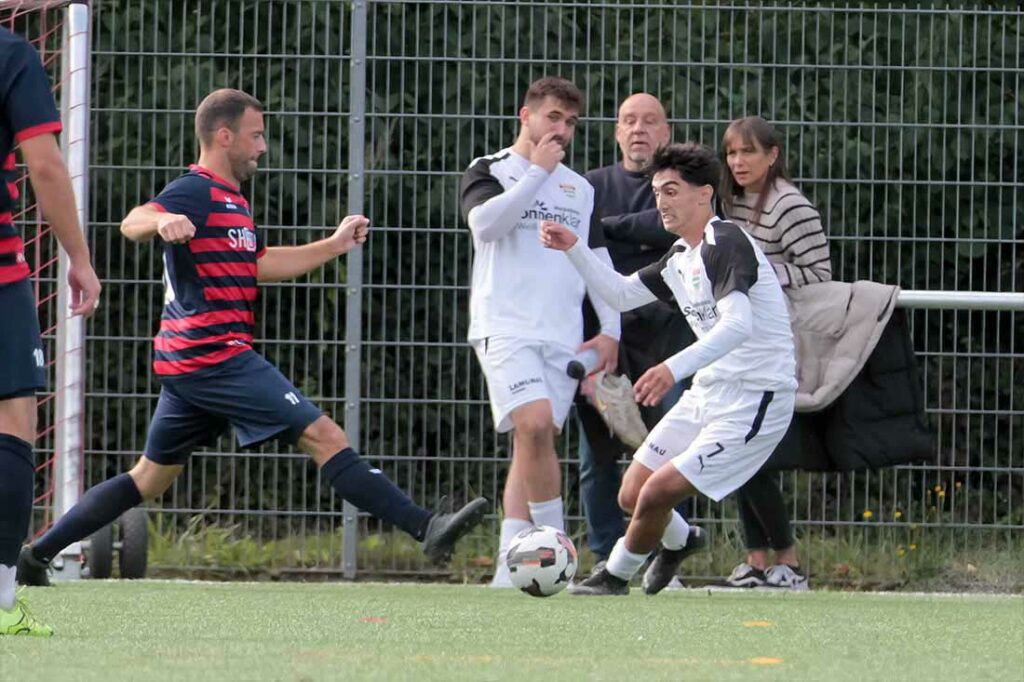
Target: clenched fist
[
  {"x": 352, "y": 231},
  {"x": 174, "y": 228}
]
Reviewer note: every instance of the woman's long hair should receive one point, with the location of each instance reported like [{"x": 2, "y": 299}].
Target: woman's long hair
[{"x": 747, "y": 130}]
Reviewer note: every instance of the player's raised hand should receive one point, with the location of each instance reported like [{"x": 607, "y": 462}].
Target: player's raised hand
[
  {"x": 85, "y": 288},
  {"x": 548, "y": 153},
  {"x": 556, "y": 236},
  {"x": 653, "y": 385},
  {"x": 174, "y": 228},
  {"x": 352, "y": 231}
]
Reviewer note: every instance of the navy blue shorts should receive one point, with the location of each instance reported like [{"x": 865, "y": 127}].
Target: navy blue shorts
[
  {"x": 245, "y": 392},
  {"x": 22, "y": 369}
]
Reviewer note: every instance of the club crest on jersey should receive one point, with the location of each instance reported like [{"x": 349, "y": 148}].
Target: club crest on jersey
[
  {"x": 242, "y": 239},
  {"x": 570, "y": 190},
  {"x": 695, "y": 278}
]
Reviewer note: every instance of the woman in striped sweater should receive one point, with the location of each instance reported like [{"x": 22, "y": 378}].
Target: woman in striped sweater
[{"x": 758, "y": 195}]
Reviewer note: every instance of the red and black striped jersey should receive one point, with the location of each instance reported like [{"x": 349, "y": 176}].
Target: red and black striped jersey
[
  {"x": 26, "y": 110},
  {"x": 209, "y": 282}
]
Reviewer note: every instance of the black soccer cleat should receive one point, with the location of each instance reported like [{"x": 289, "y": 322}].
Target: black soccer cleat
[
  {"x": 444, "y": 530},
  {"x": 600, "y": 584},
  {"x": 666, "y": 562},
  {"x": 31, "y": 571}
]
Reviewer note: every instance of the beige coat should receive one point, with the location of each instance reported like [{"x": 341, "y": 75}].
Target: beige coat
[{"x": 835, "y": 327}]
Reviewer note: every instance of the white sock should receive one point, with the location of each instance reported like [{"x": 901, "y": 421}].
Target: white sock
[
  {"x": 677, "y": 532},
  {"x": 509, "y": 529},
  {"x": 622, "y": 563},
  {"x": 550, "y": 513},
  {"x": 7, "y": 586}
]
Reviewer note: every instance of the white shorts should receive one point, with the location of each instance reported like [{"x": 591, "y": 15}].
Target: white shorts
[
  {"x": 719, "y": 436},
  {"x": 520, "y": 371}
]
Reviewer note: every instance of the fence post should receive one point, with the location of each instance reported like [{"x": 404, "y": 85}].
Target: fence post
[{"x": 354, "y": 283}]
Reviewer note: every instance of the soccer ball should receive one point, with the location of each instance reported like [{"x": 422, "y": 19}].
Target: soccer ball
[{"x": 542, "y": 561}]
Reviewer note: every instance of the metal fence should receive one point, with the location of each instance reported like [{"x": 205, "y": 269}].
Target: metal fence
[{"x": 904, "y": 125}]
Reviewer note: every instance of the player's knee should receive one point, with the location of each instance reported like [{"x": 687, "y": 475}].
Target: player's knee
[
  {"x": 18, "y": 418},
  {"x": 323, "y": 437},
  {"x": 153, "y": 479},
  {"x": 632, "y": 483},
  {"x": 654, "y": 497},
  {"x": 627, "y": 499},
  {"x": 535, "y": 427}
]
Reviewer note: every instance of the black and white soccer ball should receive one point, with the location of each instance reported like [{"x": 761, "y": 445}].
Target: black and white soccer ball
[{"x": 542, "y": 561}]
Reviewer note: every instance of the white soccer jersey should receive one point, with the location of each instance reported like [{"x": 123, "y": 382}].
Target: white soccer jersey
[
  {"x": 519, "y": 288},
  {"x": 727, "y": 260}
]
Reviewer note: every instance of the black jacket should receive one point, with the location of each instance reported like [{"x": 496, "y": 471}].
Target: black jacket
[{"x": 878, "y": 421}]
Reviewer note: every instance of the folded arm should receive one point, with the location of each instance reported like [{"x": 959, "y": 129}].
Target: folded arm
[
  {"x": 644, "y": 227},
  {"x": 494, "y": 218}
]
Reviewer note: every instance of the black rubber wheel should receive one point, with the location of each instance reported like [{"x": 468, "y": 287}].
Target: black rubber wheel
[
  {"x": 133, "y": 557},
  {"x": 99, "y": 557}
]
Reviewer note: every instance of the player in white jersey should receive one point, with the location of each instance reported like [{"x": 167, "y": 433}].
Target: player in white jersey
[
  {"x": 526, "y": 320},
  {"x": 743, "y": 365}
]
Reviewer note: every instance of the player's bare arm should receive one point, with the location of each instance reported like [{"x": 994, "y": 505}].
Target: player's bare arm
[
  {"x": 145, "y": 222},
  {"x": 286, "y": 262},
  {"x": 52, "y": 185}
]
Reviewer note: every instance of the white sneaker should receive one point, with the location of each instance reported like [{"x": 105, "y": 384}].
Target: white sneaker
[
  {"x": 745, "y": 575},
  {"x": 613, "y": 396},
  {"x": 786, "y": 577}
]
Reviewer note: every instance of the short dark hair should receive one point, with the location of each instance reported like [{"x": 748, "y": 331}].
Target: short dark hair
[
  {"x": 695, "y": 163},
  {"x": 552, "y": 86},
  {"x": 224, "y": 107}
]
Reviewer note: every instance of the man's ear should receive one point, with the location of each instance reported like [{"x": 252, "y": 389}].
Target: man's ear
[
  {"x": 223, "y": 136},
  {"x": 524, "y": 116}
]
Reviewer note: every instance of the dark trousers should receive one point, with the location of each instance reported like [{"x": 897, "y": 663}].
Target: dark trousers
[{"x": 763, "y": 513}]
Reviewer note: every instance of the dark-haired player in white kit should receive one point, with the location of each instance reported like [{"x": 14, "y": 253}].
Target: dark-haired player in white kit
[
  {"x": 743, "y": 365},
  {"x": 526, "y": 320}
]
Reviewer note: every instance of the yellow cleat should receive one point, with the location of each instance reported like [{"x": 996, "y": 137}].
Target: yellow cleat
[{"x": 18, "y": 621}]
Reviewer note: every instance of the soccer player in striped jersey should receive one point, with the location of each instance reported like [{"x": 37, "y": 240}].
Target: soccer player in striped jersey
[
  {"x": 28, "y": 118},
  {"x": 744, "y": 371},
  {"x": 209, "y": 373}
]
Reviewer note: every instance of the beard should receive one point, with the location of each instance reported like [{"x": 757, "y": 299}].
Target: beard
[{"x": 243, "y": 169}]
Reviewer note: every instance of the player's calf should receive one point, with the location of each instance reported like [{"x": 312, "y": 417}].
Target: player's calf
[
  {"x": 369, "y": 489},
  {"x": 99, "y": 506}
]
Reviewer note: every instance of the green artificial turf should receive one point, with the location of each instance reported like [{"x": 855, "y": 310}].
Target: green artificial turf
[{"x": 285, "y": 631}]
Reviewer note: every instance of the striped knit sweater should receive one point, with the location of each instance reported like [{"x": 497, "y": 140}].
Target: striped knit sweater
[{"x": 789, "y": 232}]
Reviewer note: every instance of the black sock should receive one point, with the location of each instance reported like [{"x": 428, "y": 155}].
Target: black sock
[
  {"x": 16, "y": 471},
  {"x": 370, "y": 490},
  {"x": 99, "y": 506}
]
